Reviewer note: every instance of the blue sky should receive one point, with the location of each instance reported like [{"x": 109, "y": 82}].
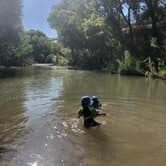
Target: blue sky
[{"x": 35, "y": 13}]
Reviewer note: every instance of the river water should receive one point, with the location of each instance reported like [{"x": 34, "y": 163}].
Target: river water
[{"x": 39, "y": 125}]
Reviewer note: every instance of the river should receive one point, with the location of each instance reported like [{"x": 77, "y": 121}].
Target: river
[{"x": 39, "y": 125}]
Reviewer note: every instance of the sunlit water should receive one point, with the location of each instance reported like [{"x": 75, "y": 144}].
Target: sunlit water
[{"x": 39, "y": 125}]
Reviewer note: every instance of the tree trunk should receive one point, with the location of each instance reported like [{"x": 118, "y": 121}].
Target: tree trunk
[
  {"x": 128, "y": 21},
  {"x": 131, "y": 37},
  {"x": 152, "y": 13},
  {"x": 130, "y": 30}
]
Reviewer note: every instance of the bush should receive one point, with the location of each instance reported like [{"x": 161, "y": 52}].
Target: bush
[
  {"x": 59, "y": 60},
  {"x": 162, "y": 73},
  {"x": 129, "y": 64}
]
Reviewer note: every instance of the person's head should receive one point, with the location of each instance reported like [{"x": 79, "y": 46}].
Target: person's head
[
  {"x": 96, "y": 102},
  {"x": 86, "y": 101}
]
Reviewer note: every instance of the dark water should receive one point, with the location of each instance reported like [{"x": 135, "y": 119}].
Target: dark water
[{"x": 38, "y": 124}]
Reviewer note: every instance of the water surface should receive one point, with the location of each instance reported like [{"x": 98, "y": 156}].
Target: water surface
[{"x": 38, "y": 124}]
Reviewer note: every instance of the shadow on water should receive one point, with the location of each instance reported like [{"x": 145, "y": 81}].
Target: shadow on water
[
  {"x": 12, "y": 119},
  {"x": 16, "y": 72},
  {"x": 22, "y": 71}
]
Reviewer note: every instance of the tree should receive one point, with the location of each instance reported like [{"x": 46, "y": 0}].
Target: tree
[
  {"x": 24, "y": 52},
  {"x": 41, "y": 45},
  {"x": 10, "y": 30},
  {"x": 100, "y": 32},
  {"x": 152, "y": 6},
  {"x": 83, "y": 30},
  {"x": 109, "y": 10},
  {"x": 37, "y": 47},
  {"x": 128, "y": 6}
]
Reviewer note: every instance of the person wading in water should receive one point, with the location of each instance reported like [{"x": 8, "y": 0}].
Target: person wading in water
[{"x": 88, "y": 111}]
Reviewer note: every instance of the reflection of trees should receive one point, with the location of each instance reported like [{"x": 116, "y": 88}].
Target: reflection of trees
[
  {"x": 16, "y": 98},
  {"x": 133, "y": 95},
  {"x": 42, "y": 87},
  {"x": 12, "y": 120},
  {"x": 108, "y": 87},
  {"x": 40, "y": 84},
  {"x": 77, "y": 84}
]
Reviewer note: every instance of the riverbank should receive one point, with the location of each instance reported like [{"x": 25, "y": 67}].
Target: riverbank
[
  {"x": 159, "y": 77},
  {"x": 154, "y": 76},
  {"x": 12, "y": 69}
]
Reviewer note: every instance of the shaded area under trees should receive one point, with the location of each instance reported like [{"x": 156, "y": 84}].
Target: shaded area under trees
[{"x": 123, "y": 36}]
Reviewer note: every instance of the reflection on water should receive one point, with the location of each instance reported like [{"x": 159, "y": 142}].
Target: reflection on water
[{"x": 38, "y": 124}]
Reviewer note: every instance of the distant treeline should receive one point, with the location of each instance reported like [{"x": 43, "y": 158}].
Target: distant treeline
[
  {"x": 19, "y": 47},
  {"x": 120, "y": 36}
]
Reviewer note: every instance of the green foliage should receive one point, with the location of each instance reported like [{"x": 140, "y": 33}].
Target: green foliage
[
  {"x": 149, "y": 67},
  {"x": 99, "y": 32},
  {"x": 84, "y": 31},
  {"x": 34, "y": 47},
  {"x": 41, "y": 49},
  {"x": 126, "y": 62},
  {"x": 94, "y": 24},
  {"x": 10, "y": 30},
  {"x": 24, "y": 52},
  {"x": 41, "y": 45},
  {"x": 129, "y": 64},
  {"x": 61, "y": 55},
  {"x": 10, "y": 21},
  {"x": 92, "y": 34},
  {"x": 162, "y": 72}
]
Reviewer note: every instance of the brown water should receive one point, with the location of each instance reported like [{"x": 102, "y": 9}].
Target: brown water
[{"x": 38, "y": 124}]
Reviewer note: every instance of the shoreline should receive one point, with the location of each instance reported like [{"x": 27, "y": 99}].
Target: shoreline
[{"x": 11, "y": 68}]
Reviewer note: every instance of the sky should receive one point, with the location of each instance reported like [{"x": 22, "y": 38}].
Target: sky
[{"x": 35, "y": 13}]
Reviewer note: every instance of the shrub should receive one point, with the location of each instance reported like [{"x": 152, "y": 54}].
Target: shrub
[{"x": 129, "y": 64}]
